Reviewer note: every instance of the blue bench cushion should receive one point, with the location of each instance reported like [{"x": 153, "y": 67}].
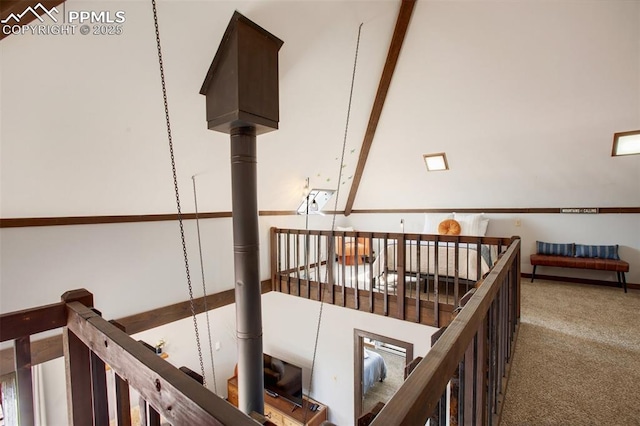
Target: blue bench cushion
[
  {"x": 601, "y": 252},
  {"x": 555, "y": 249}
]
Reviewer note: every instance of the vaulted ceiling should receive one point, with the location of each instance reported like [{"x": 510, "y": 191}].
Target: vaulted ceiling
[{"x": 523, "y": 96}]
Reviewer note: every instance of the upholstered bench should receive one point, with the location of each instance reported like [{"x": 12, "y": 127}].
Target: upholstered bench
[{"x": 567, "y": 260}]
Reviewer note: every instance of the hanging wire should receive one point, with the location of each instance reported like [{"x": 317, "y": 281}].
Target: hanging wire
[
  {"x": 335, "y": 209},
  {"x": 204, "y": 286},
  {"x": 175, "y": 185}
]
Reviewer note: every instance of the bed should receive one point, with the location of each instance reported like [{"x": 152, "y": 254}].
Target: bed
[
  {"x": 375, "y": 370},
  {"x": 423, "y": 260}
]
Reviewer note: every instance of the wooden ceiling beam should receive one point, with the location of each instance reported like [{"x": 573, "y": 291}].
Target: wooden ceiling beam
[{"x": 402, "y": 24}]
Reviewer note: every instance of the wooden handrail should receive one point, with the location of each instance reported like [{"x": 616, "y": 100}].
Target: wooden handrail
[
  {"x": 89, "y": 342},
  {"x": 31, "y": 321},
  {"x": 24, "y": 323},
  {"x": 415, "y": 401},
  {"x": 396, "y": 235},
  {"x": 173, "y": 394}
]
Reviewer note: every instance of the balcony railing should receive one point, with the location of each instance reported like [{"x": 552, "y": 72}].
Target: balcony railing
[
  {"x": 413, "y": 277},
  {"x": 461, "y": 379},
  {"x": 91, "y": 343},
  {"x": 472, "y": 356}
]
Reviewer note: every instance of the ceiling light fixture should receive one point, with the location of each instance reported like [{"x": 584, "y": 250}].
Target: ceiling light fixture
[
  {"x": 436, "y": 162},
  {"x": 626, "y": 143}
]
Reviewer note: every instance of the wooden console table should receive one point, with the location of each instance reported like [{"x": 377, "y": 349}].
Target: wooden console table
[{"x": 281, "y": 412}]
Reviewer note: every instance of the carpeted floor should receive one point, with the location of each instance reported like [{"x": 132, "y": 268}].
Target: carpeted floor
[{"x": 577, "y": 358}]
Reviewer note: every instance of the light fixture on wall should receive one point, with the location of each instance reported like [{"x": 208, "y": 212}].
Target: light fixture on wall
[
  {"x": 436, "y": 162},
  {"x": 626, "y": 143}
]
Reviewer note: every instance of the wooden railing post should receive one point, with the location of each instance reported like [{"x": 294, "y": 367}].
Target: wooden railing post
[
  {"x": 441, "y": 413},
  {"x": 275, "y": 282},
  {"x": 148, "y": 415},
  {"x": 319, "y": 262},
  {"x": 123, "y": 400},
  {"x": 307, "y": 248},
  {"x": 436, "y": 282},
  {"x": 78, "y": 367},
  {"x": 78, "y": 373},
  {"x": 516, "y": 273},
  {"x": 331, "y": 260},
  {"x": 400, "y": 279},
  {"x": 469, "y": 391},
  {"x": 343, "y": 261},
  {"x": 370, "y": 262},
  {"x": 418, "y": 265},
  {"x": 99, "y": 391},
  {"x": 22, "y": 352},
  {"x": 481, "y": 372},
  {"x": 356, "y": 255},
  {"x": 99, "y": 388}
]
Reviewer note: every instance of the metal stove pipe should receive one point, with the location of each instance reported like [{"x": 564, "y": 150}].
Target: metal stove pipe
[{"x": 247, "y": 269}]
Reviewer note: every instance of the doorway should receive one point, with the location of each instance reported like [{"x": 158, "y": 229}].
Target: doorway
[{"x": 379, "y": 366}]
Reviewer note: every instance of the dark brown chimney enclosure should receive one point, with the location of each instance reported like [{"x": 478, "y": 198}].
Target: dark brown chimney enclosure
[{"x": 241, "y": 88}]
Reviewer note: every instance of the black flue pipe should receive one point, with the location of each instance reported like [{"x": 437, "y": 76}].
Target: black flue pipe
[{"x": 246, "y": 251}]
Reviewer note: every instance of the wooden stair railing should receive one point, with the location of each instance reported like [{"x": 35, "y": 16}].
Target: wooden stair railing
[
  {"x": 475, "y": 350},
  {"x": 91, "y": 343},
  {"x": 49, "y": 348},
  {"x": 19, "y": 326}
]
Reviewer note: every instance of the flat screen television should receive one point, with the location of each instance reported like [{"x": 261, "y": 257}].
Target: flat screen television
[{"x": 283, "y": 379}]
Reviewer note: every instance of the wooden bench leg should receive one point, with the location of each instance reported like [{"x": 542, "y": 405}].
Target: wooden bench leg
[
  {"x": 624, "y": 280},
  {"x": 619, "y": 279},
  {"x": 533, "y": 275}
]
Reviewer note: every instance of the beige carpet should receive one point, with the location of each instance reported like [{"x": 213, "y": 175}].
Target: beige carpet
[{"x": 577, "y": 359}]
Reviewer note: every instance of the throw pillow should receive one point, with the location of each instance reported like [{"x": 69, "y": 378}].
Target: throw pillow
[
  {"x": 432, "y": 221},
  {"x": 602, "y": 252},
  {"x": 449, "y": 227},
  {"x": 566, "y": 249},
  {"x": 470, "y": 224}
]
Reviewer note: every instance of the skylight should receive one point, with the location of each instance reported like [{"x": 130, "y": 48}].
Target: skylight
[
  {"x": 626, "y": 143},
  {"x": 436, "y": 162},
  {"x": 315, "y": 201}
]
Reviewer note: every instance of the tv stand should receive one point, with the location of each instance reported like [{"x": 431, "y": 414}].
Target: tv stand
[{"x": 281, "y": 412}]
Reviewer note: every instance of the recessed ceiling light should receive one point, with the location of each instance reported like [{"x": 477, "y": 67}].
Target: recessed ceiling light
[
  {"x": 436, "y": 162},
  {"x": 626, "y": 143}
]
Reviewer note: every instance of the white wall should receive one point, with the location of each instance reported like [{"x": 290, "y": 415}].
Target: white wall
[
  {"x": 55, "y": 394},
  {"x": 601, "y": 229},
  {"x": 129, "y": 268},
  {"x": 524, "y": 96},
  {"x": 85, "y": 134},
  {"x": 289, "y": 326},
  {"x": 289, "y": 334}
]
